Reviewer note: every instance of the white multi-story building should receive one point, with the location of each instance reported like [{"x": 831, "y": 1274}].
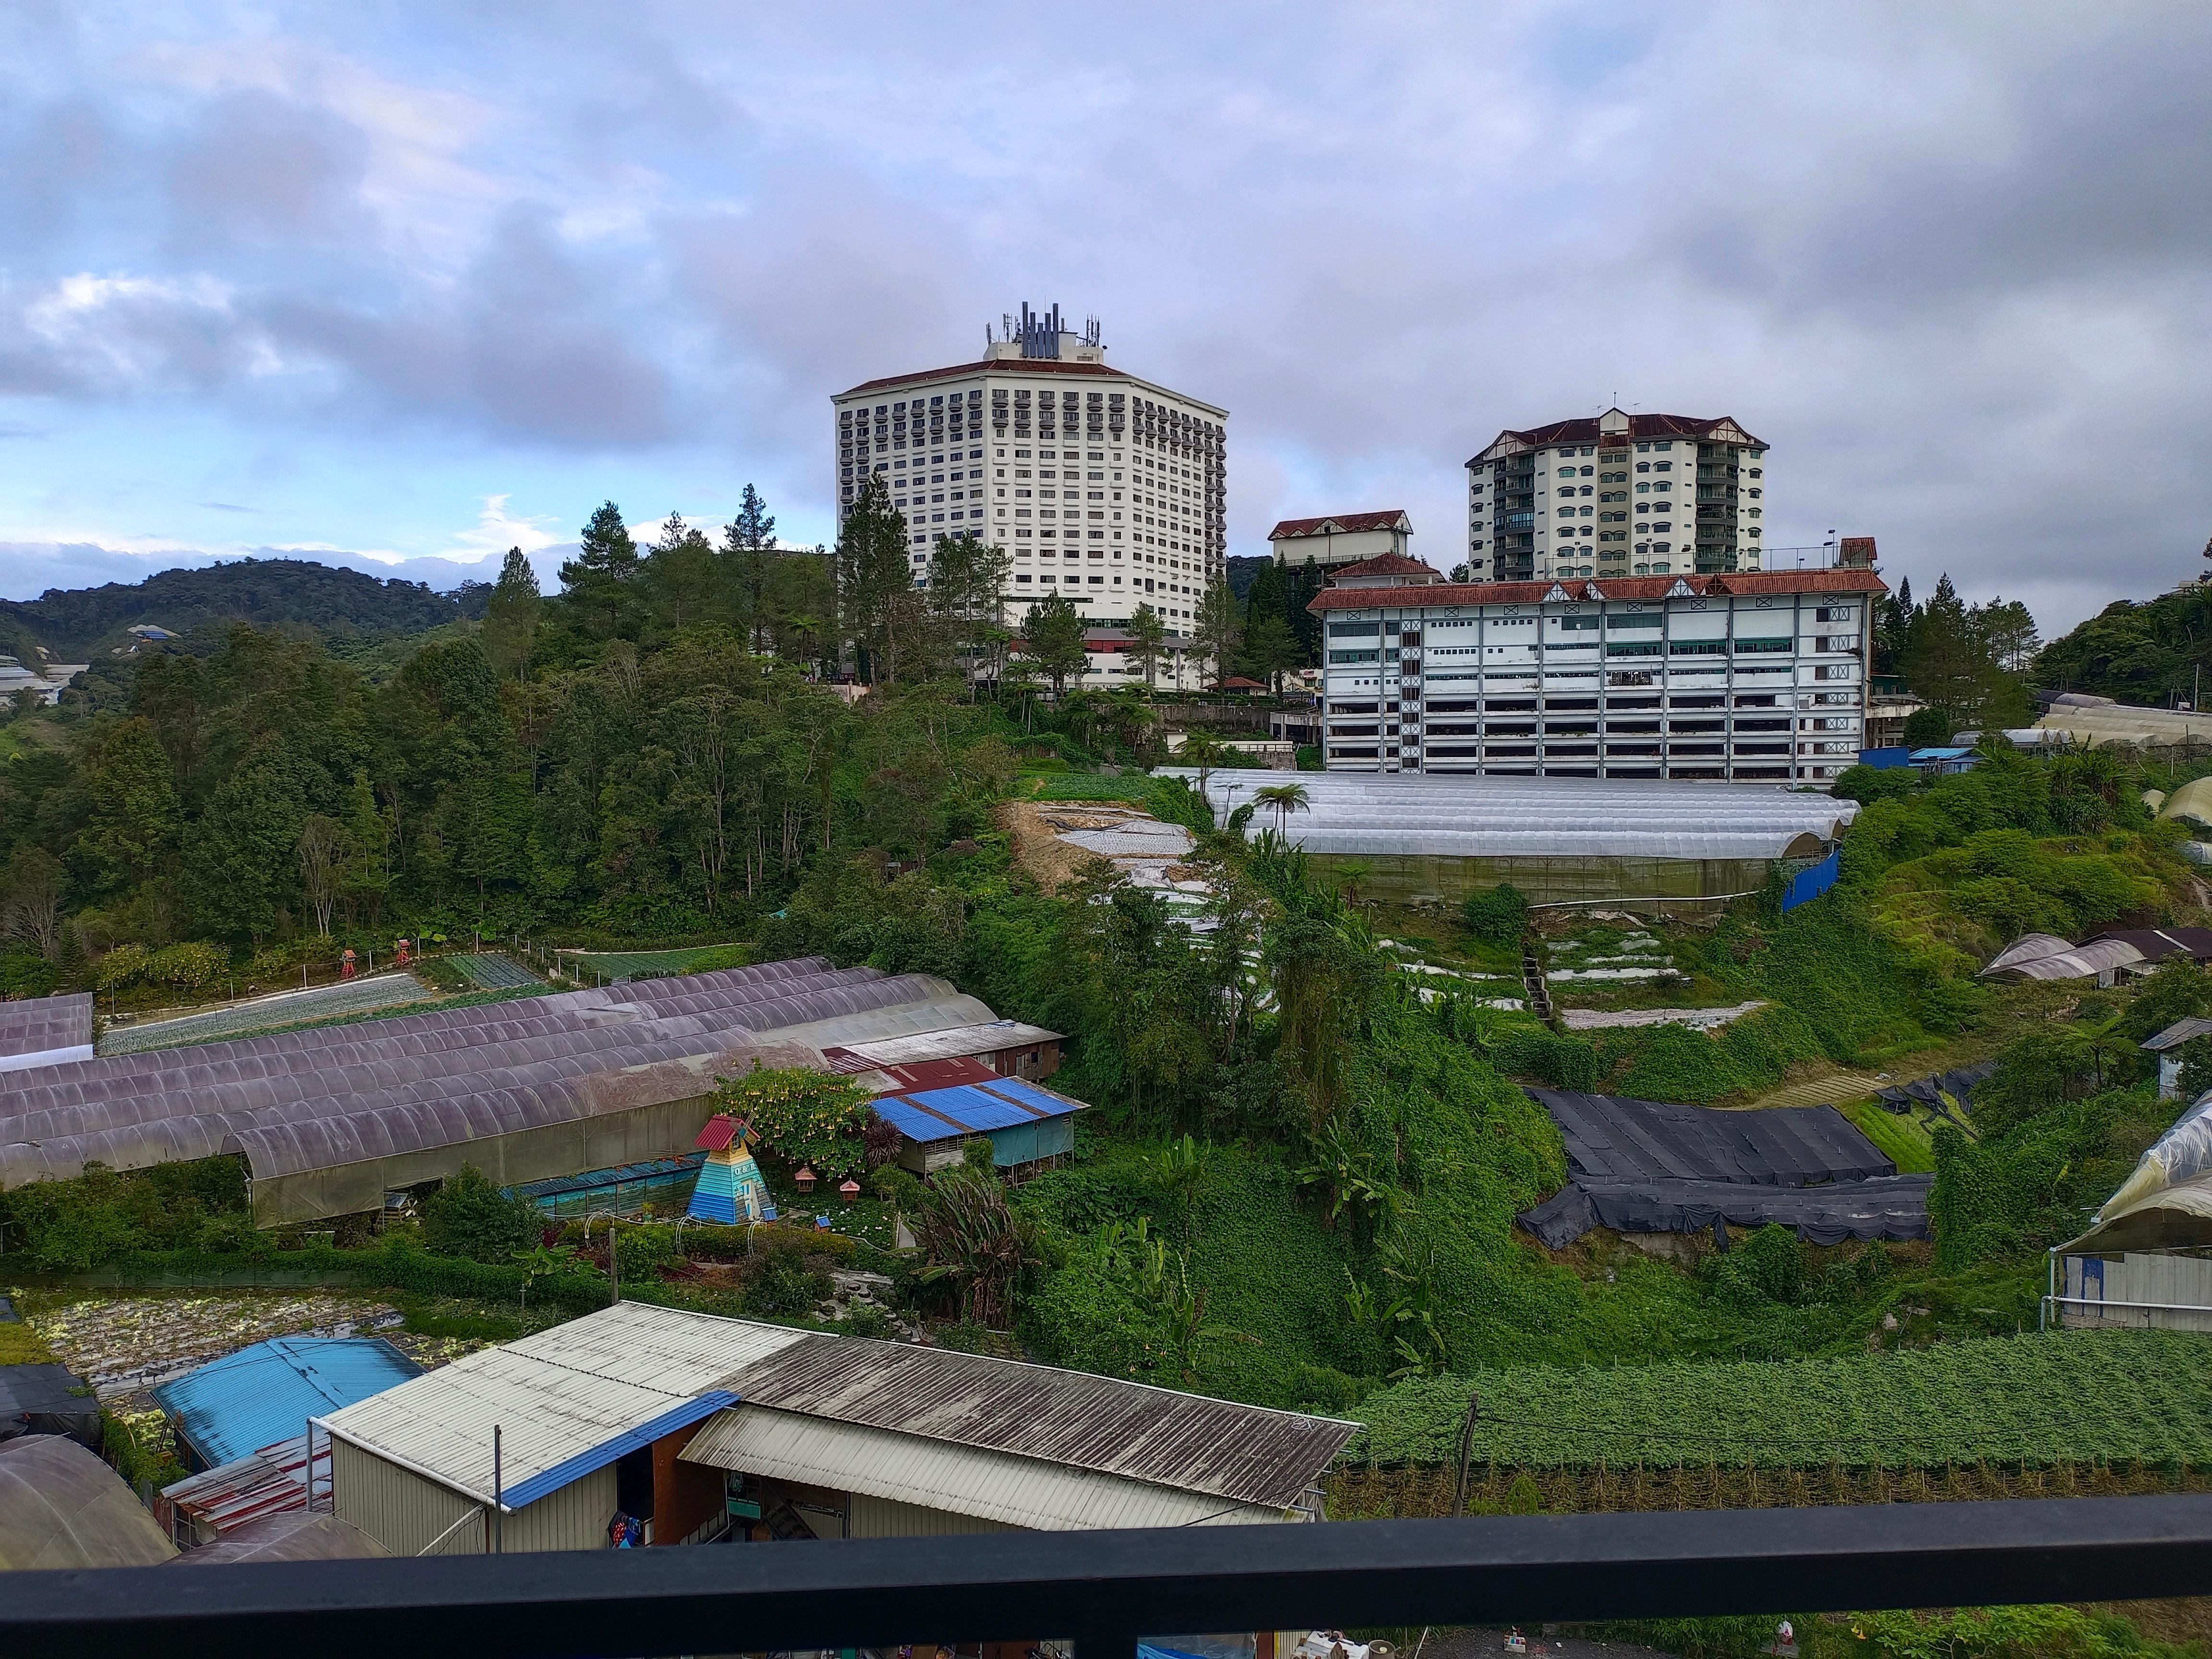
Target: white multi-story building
[
  {"x": 1108, "y": 489},
  {"x": 1620, "y": 495},
  {"x": 1752, "y": 676}
]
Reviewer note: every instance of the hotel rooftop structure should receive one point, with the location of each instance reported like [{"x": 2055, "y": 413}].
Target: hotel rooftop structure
[{"x": 1745, "y": 677}]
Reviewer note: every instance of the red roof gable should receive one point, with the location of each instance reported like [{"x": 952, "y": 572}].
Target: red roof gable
[
  {"x": 1342, "y": 524},
  {"x": 721, "y": 1129},
  {"x": 1385, "y": 564},
  {"x": 1579, "y": 588},
  {"x": 1002, "y": 365}
]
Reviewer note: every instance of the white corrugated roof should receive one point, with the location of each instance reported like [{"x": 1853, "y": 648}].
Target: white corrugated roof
[
  {"x": 1441, "y": 815},
  {"x": 952, "y": 1044},
  {"x": 1019, "y": 1491},
  {"x": 556, "y": 1397}
]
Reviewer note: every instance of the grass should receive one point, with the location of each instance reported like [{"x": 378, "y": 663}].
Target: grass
[
  {"x": 20, "y": 1345},
  {"x": 1904, "y": 1141},
  {"x": 1092, "y": 785},
  {"x": 690, "y": 959}
]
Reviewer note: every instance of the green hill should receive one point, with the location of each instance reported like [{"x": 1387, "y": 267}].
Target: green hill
[{"x": 76, "y": 624}]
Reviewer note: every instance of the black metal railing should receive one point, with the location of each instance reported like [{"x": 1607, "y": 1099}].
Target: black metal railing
[{"x": 1103, "y": 1589}]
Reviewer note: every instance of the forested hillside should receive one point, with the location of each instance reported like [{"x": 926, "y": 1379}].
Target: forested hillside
[
  {"x": 2141, "y": 651},
  {"x": 291, "y": 594}
]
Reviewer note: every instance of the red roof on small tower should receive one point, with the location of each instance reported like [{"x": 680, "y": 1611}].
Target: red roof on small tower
[
  {"x": 721, "y": 1129},
  {"x": 1342, "y": 524}
]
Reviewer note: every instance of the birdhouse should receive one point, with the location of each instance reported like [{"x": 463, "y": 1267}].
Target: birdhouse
[
  {"x": 848, "y": 1189},
  {"x": 805, "y": 1179}
]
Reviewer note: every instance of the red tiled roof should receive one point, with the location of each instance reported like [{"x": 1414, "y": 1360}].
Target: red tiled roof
[
  {"x": 1640, "y": 426},
  {"x": 1620, "y": 588},
  {"x": 1389, "y": 519},
  {"x": 1023, "y": 365},
  {"x": 1385, "y": 564}
]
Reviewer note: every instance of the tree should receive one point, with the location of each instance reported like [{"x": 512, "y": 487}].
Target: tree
[
  {"x": 749, "y": 544},
  {"x": 323, "y": 853},
  {"x": 597, "y": 581},
  {"x": 1285, "y": 798},
  {"x": 1269, "y": 649},
  {"x": 510, "y": 624},
  {"x": 1148, "y": 632},
  {"x": 32, "y": 899},
  {"x": 875, "y": 584},
  {"x": 469, "y": 1215},
  {"x": 1054, "y": 640},
  {"x": 1219, "y": 629},
  {"x": 1893, "y": 623},
  {"x": 1948, "y": 661}
]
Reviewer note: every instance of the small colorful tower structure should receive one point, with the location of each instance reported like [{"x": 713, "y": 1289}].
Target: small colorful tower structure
[{"x": 731, "y": 1188}]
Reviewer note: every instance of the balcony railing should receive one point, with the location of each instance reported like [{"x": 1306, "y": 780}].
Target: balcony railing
[{"x": 1103, "y": 1590}]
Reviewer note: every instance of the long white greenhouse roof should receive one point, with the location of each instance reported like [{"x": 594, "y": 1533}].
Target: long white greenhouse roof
[
  {"x": 297, "y": 1101},
  {"x": 1371, "y": 815}
]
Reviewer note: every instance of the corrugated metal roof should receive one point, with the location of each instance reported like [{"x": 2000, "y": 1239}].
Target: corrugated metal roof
[
  {"x": 952, "y": 1043},
  {"x": 270, "y": 1481},
  {"x": 232, "y": 1406},
  {"x": 316, "y": 1099},
  {"x": 560, "y": 1397},
  {"x": 2181, "y": 1031},
  {"x": 1019, "y": 1491},
  {"x": 1434, "y": 815},
  {"x": 968, "y": 1109},
  {"x": 1105, "y": 1424}
]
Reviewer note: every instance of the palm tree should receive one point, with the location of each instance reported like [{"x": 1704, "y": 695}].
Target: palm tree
[{"x": 1285, "y": 798}]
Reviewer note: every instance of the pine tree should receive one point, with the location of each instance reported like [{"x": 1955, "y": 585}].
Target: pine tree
[
  {"x": 510, "y": 624},
  {"x": 749, "y": 544},
  {"x": 875, "y": 587},
  {"x": 1054, "y": 641},
  {"x": 597, "y": 581},
  {"x": 1220, "y": 630},
  {"x": 1146, "y": 634}
]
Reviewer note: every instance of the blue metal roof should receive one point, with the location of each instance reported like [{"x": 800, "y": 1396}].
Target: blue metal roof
[
  {"x": 264, "y": 1394},
  {"x": 968, "y": 1109}
]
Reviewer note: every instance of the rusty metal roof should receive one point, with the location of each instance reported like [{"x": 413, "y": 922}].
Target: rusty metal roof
[{"x": 1246, "y": 1452}]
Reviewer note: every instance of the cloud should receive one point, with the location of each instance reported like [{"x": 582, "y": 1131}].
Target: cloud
[{"x": 1938, "y": 258}]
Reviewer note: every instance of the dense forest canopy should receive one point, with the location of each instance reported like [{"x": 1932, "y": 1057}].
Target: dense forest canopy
[{"x": 270, "y": 594}]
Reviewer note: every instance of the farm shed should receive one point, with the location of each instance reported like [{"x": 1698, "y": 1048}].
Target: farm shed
[
  {"x": 692, "y": 1423},
  {"x": 330, "y": 1120},
  {"x": 590, "y": 1415},
  {"x": 231, "y": 1407},
  {"x": 880, "y": 1439},
  {"x": 46, "y": 1032},
  {"x": 2103, "y": 958},
  {"x": 61, "y": 1507},
  {"x": 2140, "y": 1262},
  {"x": 1026, "y": 1122},
  {"x": 2167, "y": 1045},
  {"x": 1011, "y": 1049},
  {"x": 1556, "y": 839},
  {"x": 1647, "y": 1166}
]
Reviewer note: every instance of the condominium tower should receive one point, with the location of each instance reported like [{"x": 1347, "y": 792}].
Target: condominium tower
[
  {"x": 1102, "y": 486},
  {"x": 1620, "y": 495}
]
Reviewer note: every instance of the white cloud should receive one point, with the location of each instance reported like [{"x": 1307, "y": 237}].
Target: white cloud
[{"x": 497, "y": 529}]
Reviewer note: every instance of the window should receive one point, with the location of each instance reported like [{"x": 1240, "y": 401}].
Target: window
[{"x": 1587, "y": 469}]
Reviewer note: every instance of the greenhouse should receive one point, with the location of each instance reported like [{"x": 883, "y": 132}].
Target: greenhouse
[
  {"x": 330, "y": 1120},
  {"x": 1433, "y": 836}
]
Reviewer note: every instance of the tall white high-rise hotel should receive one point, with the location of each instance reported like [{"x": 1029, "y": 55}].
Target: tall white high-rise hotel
[{"x": 1108, "y": 489}]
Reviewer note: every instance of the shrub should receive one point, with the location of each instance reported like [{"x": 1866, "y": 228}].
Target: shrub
[
  {"x": 1768, "y": 1266},
  {"x": 783, "y": 1283},
  {"x": 808, "y": 1116},
  {"x": 470, "y": 1216},
  {"x": 187, "y": 967},
  {"x": 1498, "y": 916},
  {"x": 1564, "y": 1062},
  {"x": 126, "y": 964}
]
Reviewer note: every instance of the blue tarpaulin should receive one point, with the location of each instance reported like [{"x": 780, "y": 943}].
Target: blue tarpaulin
[
  {"x": 264, "y": 1394},
  {"x": 1809, "y": 884}
]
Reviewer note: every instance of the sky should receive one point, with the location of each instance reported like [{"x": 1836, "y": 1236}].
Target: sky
[{"x": 401, "y": 286}]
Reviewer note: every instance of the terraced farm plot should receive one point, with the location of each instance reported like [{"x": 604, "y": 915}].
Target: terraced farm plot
[
  {"x": 491, "y": 971},
  {"x": 690, "y": 959},
  {"x": 355, "y": 996},
  {"x": 2017, "y": 1403}
]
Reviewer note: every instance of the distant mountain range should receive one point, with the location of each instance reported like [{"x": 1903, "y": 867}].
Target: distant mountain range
[{"x": 87, "y": 624}]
